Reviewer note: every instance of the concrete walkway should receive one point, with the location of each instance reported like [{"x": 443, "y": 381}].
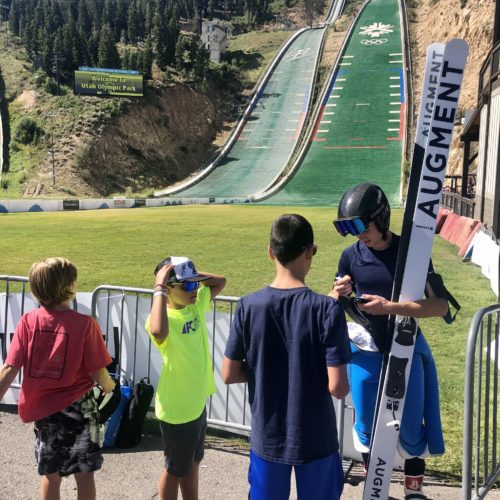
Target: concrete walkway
[{"x": 134, "y": 474}]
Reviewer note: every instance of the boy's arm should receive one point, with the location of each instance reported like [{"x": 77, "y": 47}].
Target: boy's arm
[
  {"x": 215, "y": 282},
  {"x": 158, "y": 320},
  {"x": 103, "y": 378},
  {"x": 233, "y": 372},
  {"x": 338, "y": 383},
  {"x": 7, "y": 375}
]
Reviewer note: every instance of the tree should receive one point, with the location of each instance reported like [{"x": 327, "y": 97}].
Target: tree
[
  {"x": 313, "y": 8},
  {"x": 147, "y": 59},
  {"x": 107, "y": 53},
  {"x": 161, "y": 38},
  {"x": 84, "y": 23},
  {"x": 14, "y": 16},
  {"x": 197, "y": 21},
  {"x": 172, "y": 35},
  {"x": 211, "y": 9},
  {"x": 132, "y": 23}
]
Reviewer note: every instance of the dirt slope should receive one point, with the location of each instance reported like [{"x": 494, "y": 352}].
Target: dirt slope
[{"x": 440, "y": 22}]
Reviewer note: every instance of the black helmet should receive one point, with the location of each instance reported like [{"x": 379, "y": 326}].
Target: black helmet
[{"x": 366, "y": 202}]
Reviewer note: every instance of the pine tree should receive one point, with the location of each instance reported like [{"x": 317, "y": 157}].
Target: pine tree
[
  {"x": 121, "y": 18},
  {"x": 201, "y": 60},
  {"x": 107, "y": 53},
  {"x": 197, "y": 22},
  {"x": 161, "y": 38},
  {"x": 211, "y": 9},
  {"x": 172, "y": 35},
  {"x": 14, "y": 17},
  {"x": 84, "y": 23},
  {"x": 132, "y": 23},
  {"x": 147, "y": 59}
]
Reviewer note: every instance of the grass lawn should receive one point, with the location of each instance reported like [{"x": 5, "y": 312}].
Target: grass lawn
[
  {"x": 122, "y": 247},
  {"x": 255, "y": 50}
]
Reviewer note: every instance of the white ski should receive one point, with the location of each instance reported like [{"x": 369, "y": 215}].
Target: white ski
[{"x": 433, "y": 137}]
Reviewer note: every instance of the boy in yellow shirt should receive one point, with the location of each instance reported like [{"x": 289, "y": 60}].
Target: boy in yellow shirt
[{"x": 178, "y": 329}]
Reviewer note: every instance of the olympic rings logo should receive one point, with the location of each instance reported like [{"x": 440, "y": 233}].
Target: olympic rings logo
[
  {"x": 298, "y": 54},
  {"x": 374, "y": 41}
]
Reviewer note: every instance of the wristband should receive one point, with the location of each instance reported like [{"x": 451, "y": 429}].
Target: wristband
[
  {"x": 160, "y": 293},
  {"x": 161, "y": 285}
]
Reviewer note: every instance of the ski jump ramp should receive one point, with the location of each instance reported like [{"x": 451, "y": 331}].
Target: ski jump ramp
[{"x": 286, "y": 152}]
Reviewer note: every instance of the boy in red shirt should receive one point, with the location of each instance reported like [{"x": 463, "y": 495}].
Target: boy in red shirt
[{"x": 62, "y": 354}]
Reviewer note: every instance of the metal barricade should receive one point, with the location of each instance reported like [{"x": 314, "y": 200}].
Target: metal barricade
[
  {"x": 481, "y": 459},
  {"x": 121, "y": 313},
  {"x": 14, "y": 301},
  {"x": 7, "y": 283}
]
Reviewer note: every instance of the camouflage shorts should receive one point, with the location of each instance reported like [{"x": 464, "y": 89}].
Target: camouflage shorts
[{"x": 70, "y": 441}]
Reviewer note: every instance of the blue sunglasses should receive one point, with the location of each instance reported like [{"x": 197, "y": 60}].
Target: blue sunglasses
[
  {"x": 188, "y": 286},
  {"x": 354, "y": 226}
]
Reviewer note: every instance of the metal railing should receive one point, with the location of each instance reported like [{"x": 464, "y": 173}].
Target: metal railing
[
  {"x": 490, "y": 70},
  {"x": 481, "y": 458},
  {"x": 458, "y": 204},
  {"x": 121, "y": 313},
  {"x": 10, "y": 285}
]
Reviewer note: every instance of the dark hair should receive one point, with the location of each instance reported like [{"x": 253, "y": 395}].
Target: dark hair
[
  {"x": 291, "y": 235},
  {"x": 163, "y": 263}
]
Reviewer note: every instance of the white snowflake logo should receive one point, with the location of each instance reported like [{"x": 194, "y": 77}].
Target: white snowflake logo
[{"x": 376, "y": 29}]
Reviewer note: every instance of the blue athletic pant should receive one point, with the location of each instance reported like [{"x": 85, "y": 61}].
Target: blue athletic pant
[
  {"x": 421, "y": 423},
  {"x": 321, "y": 479}
]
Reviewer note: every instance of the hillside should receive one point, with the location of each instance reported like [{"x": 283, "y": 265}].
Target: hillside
[
  {"x": 442, "y": 20},
  {"x": 105, "y": 147}
]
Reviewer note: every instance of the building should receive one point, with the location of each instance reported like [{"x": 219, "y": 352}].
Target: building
[{"x": 215, "y": 36}]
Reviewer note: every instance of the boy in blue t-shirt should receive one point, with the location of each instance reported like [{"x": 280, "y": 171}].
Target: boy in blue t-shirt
[{"x": 291, "y": 345}]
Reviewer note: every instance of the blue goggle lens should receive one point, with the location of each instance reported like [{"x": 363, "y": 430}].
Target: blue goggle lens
[
  {"x": 187, "y": 286},
  {"x": 353, "y": 226},
  {"x": 190, "y": 286}
]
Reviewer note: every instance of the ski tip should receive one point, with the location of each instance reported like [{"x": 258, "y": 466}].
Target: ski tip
[
  {"x": 458, "y": 44},
  {"x": 436, "y": 47}
]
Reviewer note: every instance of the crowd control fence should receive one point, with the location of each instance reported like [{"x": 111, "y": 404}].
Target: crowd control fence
[
  {"x": 122, "y": 313},
  {"x": 481, "y": 454}
]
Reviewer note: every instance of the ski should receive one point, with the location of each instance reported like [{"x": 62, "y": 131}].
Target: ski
[{"x": 441, "y": 89}]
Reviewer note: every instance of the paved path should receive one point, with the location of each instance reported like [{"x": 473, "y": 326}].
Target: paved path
[{"x": 133, "y": 474}]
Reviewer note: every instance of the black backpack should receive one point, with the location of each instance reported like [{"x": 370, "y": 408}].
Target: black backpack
[{"x": 130, "y": 432}]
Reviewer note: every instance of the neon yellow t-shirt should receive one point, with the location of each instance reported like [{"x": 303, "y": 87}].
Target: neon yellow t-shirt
[{"x": 186, "y": 378}]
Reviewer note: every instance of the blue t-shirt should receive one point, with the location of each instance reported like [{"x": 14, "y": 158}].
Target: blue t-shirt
[
  {"x": 287, "y": 338},
  {"x": 373, "y": 273}
]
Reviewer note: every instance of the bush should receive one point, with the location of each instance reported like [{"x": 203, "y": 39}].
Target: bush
[
  {"x": 50, "y": 86},
  {"x": 27, "y": 131}
]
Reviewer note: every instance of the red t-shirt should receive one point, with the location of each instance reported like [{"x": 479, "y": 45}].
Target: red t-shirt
[{"x": 58, "y": 351}]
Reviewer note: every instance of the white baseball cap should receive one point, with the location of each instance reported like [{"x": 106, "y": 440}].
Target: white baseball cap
[{"x": 184, "y": 269}]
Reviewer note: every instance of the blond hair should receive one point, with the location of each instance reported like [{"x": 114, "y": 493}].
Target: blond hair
[{"x": 52, "y": 281}]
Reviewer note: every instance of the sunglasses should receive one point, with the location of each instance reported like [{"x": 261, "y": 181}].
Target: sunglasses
[
  {"x": 313, "y": 246},
  {"x": 188, "y": 286},
  {"x": 354, "y": 226}
]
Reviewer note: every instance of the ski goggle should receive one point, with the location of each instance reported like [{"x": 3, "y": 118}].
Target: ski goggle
[
  {"x": 353, "y": 225},
  {"x": 188, "y": 286}
]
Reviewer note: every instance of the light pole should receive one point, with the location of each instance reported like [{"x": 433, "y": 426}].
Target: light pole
[{"x": 51, "y": 116}]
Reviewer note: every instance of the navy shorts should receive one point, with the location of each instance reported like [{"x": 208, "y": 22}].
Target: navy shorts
[
  {"x": 183, "y": 444},
  {"x": 69, "y": 441}
]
